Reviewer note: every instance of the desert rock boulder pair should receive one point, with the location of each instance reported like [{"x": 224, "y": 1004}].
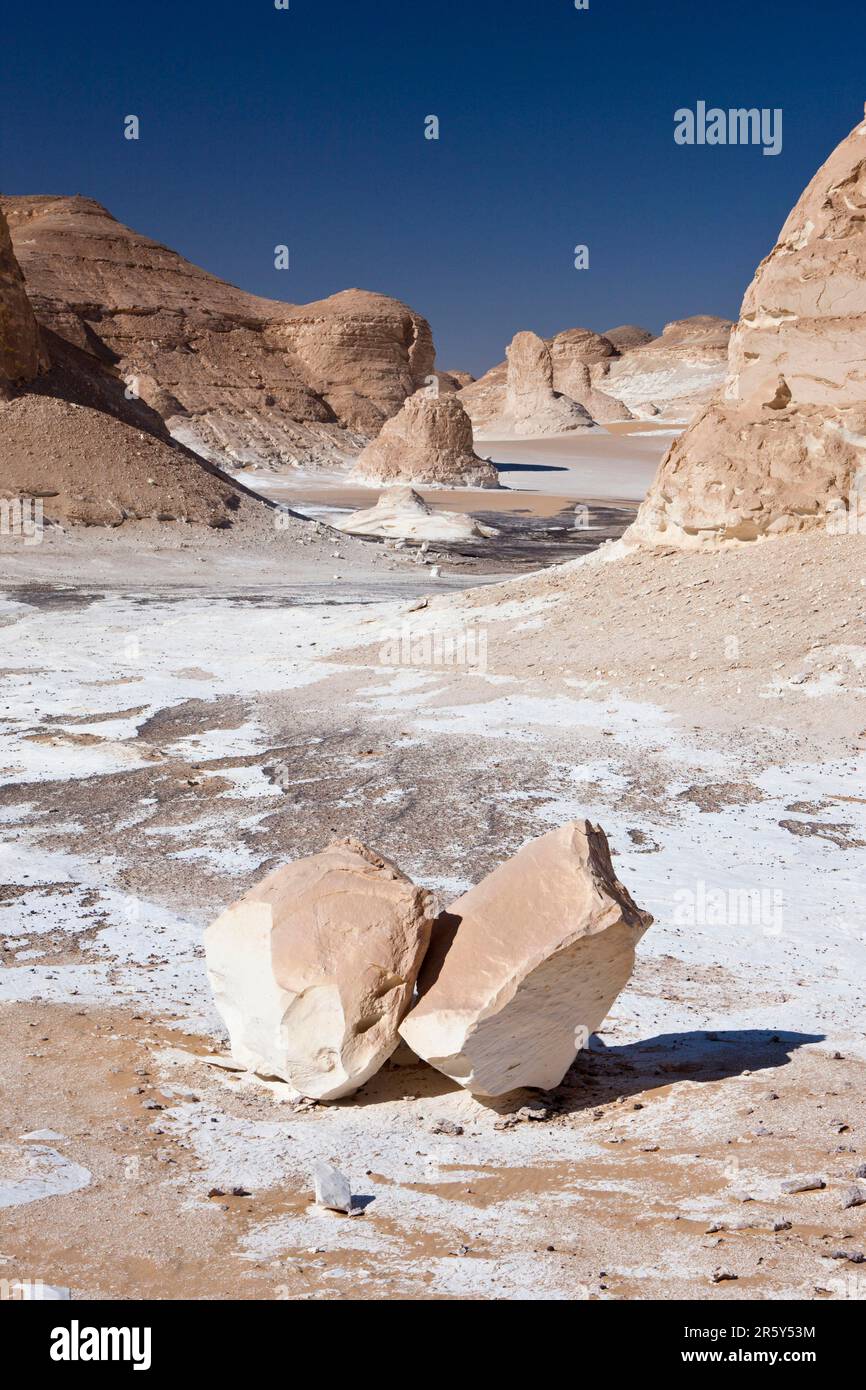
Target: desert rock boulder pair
[{"x": 314, "y": 970}]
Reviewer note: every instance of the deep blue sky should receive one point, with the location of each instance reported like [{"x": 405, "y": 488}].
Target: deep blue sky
[{"x": 306, "y": 127}]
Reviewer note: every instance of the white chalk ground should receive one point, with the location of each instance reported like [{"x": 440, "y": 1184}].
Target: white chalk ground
[
  {"x": 32, "y": 1171},
  {"x": 799, "y": 947}
]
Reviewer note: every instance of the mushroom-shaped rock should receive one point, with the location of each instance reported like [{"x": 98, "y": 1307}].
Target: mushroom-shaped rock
[
  {"x": 428, "y": 441},
  {"x": 526, "y": 965},
  {"x": 313, "y": 969}
]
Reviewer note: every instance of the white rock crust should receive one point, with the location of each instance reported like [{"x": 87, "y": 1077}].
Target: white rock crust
[
  {"x": 313, "y": 969},
  {"x": 403, "y": 514},
  {"x": 526, "y": 965}
]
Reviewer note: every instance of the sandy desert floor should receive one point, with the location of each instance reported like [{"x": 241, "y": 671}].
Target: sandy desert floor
[
  {"x": 167, "y": 736},
  {"x": 541, "y": 482}
]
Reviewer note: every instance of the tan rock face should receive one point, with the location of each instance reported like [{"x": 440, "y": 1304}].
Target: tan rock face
[
  {"x": 449, "y": 382},
  {"x": 72, "y": 439},
  {"x": 740, "y": 473},
  {"x": 804, "y": 315},
  {"x": 239, "y": 378},
  {"x": 527, "y": 965},
  {"x": 89, "y": 468},
  {"x": 429, "y": 441},
  {"x": 577, "y": 382},
  {"x": 20, "y": 355},
  {"x": 628, "y": 335},
  {"x": 313, "y": 969},
  {"x": 617, "y": 376},
  {"x": 532, "y": 405},
  {"x": 787, "y": 441},
  {"x": 577, "y": 345}
]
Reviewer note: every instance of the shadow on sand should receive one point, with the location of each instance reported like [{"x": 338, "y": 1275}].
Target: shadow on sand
[
  {"x": 603, "y": 1074},
  {"x": 530, "y": 467}
]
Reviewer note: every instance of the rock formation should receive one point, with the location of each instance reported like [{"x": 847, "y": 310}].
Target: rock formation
[
  {"x": 532, "y": 406},
  {"x": 331, "y": 1188},
  {"x": 673, "y": 376},
  {"x": 403, "y": 514},
  {"x": 617, "y": 377},
  {"x": 429, "y": 441},
  {"x": 628, "y": 335},
  {"x": 313, "y": 969},
  {"x": 786, "y": 442},
  {"x": 526, "y": 965},
  {"x": 519, "y": 399},
  {"x": 20, "y": 353},
  {"x": 72, "y": 441},
  {"x": 241, "y": 379},
  {"x": 89, "y": 468},
  {"x": 449, "y": 382}
]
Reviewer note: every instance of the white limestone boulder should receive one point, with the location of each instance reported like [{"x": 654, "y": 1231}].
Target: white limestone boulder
[
  {"x": 313, "y": 969},
  {"x": 526, "y": 965}
]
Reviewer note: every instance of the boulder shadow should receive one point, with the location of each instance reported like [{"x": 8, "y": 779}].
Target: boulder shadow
[
  {"x": 601, "y": 1074},
  {"x": 530, "y": 467}
]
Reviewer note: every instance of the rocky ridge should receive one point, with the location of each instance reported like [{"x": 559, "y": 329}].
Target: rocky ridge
[{"x": 240, "y": 379}]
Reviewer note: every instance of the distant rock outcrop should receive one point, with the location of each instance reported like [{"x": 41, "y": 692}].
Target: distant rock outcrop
[
  {"x": 519, "y": 399},
  {"x": 617, "y": 378},
  {"x": 20, "y": 353},
  {"x": 531, "y": 403},
  {"x": 674, "y": 376},
  {"x": 429, "y": 441},
  {"x": 787, "y": 442},
  {"x": 241, "y": 379},
  {"x": 628, "y": 335},
  {"x": 73, "y": 443},
  {"x": 449, "y": 382}
]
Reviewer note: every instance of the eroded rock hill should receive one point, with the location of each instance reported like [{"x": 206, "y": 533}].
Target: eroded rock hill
[
  {"x": 75, "y": 444},
  {"x": 238, "y": 378},
  {"x": 20, "y": 353},
  {"x": 674, "y": 376}
]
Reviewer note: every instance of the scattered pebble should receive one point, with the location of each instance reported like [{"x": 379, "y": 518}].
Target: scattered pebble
[
  {"x": 447, "y": 1127},
  {"x": 803, "y": 1184}
]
